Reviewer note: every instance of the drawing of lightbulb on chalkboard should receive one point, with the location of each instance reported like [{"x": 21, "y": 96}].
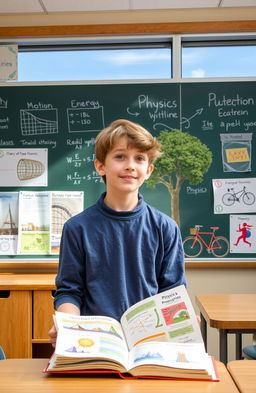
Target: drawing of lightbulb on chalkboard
[{"x": 29, "y": 169}]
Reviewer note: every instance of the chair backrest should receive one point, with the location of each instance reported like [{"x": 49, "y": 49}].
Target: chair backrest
[{"x": 2, "y": 354}]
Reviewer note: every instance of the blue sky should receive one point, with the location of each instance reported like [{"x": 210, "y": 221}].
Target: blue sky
[{"x": 228, "y": 61}]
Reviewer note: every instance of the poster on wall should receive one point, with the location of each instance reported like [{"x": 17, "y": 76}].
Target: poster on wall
[
  {"x": 9, "y": 204},
  {"x": 24, "y": 167},
  {"x": 64, "y": 205},
  {"x": 234, "y": 195},
  {"x": 34, "y": 222},
  {"x": 243, "y": 234}
]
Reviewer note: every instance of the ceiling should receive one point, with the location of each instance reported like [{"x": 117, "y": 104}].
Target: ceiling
[{"x": 46, "y": 7}]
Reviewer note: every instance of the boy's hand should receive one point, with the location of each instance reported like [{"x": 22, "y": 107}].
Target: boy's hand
[
  {"x": 53, "y": 335},
  {"x": 69, "y": 308}
]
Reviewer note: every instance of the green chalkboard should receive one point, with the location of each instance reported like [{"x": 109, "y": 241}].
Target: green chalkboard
[{"x": 65, "y": 119}]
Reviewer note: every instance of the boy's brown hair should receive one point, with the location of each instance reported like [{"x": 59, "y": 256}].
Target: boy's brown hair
[{"x": 137, "y": 137}]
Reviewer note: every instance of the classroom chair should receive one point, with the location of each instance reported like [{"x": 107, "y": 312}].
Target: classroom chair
[
  {"x": 249, "y": 351},
  {"x": 2, "y": 354}
]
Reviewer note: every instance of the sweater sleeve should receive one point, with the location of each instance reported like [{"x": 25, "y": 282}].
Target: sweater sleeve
[
  {"x": 172, "y": 272},
  {"x": 71, "y": 272}
]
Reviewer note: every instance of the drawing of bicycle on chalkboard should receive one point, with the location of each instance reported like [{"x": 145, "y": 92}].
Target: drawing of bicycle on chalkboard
[
  {"x": 230, "y": 197},
  {"x": 193, "y": 245}
]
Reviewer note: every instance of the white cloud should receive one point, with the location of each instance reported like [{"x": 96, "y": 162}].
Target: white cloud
[
  {"x": 191, "y": 57},
  {"x": 198, "y": 73},
  {"x": 130, "y": 57}
]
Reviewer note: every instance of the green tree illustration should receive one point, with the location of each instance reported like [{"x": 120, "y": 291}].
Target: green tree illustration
[{"x": 184, "y": 157}]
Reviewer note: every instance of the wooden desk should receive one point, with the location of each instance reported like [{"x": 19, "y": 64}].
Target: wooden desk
[
  {"x": 243, "y": 373},
  {"x": 25, "y": 376},
  {"x": 229, "y": 313}
]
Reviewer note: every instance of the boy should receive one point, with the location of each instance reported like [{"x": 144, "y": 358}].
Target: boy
[{"x": 120, "y": 250}]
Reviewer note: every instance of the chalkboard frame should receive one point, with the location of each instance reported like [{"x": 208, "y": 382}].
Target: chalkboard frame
[{"x": 50, "y": 262}]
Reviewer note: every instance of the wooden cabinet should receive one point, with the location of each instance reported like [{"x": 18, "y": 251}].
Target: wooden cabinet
[
  {"x": 26, "y": 308},
  {"x": 16, "y": 323},
  {"x": 42, "y": 314}
]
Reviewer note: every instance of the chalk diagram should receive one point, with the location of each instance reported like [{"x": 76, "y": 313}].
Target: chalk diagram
[
  {"x": 85, "y": 119},
  {"x": 3, "y": 103},
  {"x": 38, "y": 121},
  {"x": 29, "y": 169}
]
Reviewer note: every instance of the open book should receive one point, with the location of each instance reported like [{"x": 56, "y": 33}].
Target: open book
[{"x": 158, "y": 337}]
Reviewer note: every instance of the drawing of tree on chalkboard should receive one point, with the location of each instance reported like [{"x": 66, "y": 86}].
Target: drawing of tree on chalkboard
[{"x": 184, "y": 157}]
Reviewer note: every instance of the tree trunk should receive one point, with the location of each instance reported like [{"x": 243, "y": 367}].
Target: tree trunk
[{"x": 175, "y": 206}]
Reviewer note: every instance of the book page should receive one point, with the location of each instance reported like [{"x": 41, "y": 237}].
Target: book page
[
  {"x": 183, "y": 356},
  {"x": 167, "y": 316},
  {"x": 90, "y": 337}
]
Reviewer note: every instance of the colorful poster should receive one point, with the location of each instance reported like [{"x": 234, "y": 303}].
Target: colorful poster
[
  {"x": 9, "y": 205},
  {"x": 34, "y": 222},
  {"x": 64, "y": 204},
  {"x": 243, "y": 234},
  {"x": 23, "y": 167},
  {"x": 234, "y": 195}
]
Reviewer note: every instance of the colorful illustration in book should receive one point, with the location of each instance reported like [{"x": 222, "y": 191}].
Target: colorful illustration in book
[
  {"x": 148, "y": 356},
  {"x": 83, "y": 345},
  {"x": 243, "y": 234},
  {"x": 245, "y": 230},
  {"x": 193, "y": 245},
  {"x": 175, "y": 314},
  {"x": 96, "y": 328},
  {"x": 144, "y": 318},
  {"x": 181, "y": 357}
]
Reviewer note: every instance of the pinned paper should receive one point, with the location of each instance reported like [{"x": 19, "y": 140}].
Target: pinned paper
[
  {"x": 8, "y": 62},
  {"x": 236, "y": 152}
]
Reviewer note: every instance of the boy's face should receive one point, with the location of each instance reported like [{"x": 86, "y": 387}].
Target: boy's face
[{"x": 125, "y": 167}]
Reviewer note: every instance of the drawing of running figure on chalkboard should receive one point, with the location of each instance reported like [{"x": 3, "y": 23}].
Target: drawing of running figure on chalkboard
[{"x": 246, "y": 233}]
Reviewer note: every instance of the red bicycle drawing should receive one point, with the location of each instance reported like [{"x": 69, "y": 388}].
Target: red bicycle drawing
[{"x": 193, "y": 245}]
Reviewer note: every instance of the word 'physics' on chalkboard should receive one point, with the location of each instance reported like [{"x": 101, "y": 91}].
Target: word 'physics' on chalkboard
[{"x": 47, "y": 137}]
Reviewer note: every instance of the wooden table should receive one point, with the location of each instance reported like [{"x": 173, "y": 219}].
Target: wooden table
[
  {"x": 229, "y": 313},
  {"x": 243, "y": 373},
  {"x": 25, "y": 376}
]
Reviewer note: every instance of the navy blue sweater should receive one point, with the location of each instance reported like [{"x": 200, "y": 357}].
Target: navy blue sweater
[{"x": 110, "y": 260}]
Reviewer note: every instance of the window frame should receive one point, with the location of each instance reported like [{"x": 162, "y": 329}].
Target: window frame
[{"x": 174, "y": 41}]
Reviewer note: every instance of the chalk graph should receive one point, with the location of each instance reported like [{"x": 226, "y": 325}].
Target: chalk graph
[{"x": 38, "y": 122}]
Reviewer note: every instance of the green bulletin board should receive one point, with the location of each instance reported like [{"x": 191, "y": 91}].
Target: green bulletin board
[{"x": 65, "y": 119}]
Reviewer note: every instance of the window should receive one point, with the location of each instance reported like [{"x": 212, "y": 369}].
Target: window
[
  {"x": 96, "y": 64},
  {"x": 138, "y": 58},
  {"x": 219, "y": 61}
]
